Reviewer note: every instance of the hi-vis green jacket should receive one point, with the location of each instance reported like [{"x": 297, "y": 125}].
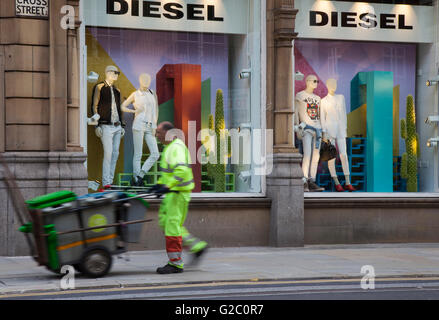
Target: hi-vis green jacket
[{"x": 176, "y": 171}]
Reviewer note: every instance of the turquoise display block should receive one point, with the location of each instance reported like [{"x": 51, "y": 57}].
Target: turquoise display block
[{"x": 376, "y": 87}]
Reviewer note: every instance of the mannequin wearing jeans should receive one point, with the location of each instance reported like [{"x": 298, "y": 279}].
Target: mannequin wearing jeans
[
  {"x": 106, "y": 108},
  {"x": 146, "y": 112},
  {"x": 308, "y": 106},
  {"x": 334, "y": 124}
]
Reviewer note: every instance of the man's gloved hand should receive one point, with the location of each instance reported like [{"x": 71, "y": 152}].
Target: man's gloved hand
[
  {"x": 159, "y": 189},
  {"x": 154, "y": 188}
]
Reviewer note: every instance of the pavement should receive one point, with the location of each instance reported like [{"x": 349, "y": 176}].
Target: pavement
[{"x": 134, "y": 269}]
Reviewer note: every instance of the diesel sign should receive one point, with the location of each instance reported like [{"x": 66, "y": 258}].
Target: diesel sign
[
  {"x": 169, "y": 10},
  {"x": 365, "y": 20}
]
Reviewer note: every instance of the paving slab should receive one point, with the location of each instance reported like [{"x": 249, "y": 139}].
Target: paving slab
[{"x": 22, "y": 274}]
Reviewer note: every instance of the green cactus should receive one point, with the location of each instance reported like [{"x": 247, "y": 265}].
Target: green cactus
[
  {"x": 409, "y": 163},
  {"x": 218, "y": 171},
  {"x": 211, "y": 122},
  {"x": 209, "y": 165}
]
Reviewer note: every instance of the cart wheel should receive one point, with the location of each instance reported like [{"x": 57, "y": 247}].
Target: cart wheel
[{"x": 96, "y": 263}]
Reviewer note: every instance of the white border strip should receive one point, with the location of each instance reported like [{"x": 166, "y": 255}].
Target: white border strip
[{"x": 334, "y": 195}]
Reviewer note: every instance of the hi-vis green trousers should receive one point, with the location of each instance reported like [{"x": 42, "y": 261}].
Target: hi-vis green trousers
[{"x": 172, "y": 215}]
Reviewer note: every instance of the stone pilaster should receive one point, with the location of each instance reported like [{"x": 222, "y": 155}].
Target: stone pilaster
[
  {"x": 284, "y": 184},
  {"x": 285, "y": 188},
  {"x": 284, "y": 16},
  {"x": 73, "y": 82}
]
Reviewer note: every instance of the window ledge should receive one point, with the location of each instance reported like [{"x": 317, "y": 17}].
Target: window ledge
[{"x": 223, "y": 202}]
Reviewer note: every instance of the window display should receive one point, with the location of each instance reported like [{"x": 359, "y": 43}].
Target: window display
[
  {"x": 372, "y": 81},
  {"x": 187, "y": 73}
]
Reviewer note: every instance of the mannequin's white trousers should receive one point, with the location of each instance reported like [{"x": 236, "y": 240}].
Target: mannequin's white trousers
[
  {"x": 110, "y": 139},
  {"x": 341, "y": 144},
  {"x": 311, "y": 155},
  {"x": 151, "y": 142}
]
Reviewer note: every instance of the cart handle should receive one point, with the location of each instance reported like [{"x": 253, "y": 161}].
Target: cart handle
[{"x": 141, "y": 195}]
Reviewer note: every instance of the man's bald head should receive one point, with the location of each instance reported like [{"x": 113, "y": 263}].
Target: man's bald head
[
  {"x": 161, "y": 131},
  {"x": 166, "y": 126}
]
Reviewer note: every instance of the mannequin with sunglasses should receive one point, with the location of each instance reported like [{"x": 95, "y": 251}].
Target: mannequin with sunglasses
[
  {"x": 146, "y": 112},
  {"x": 334, "y": 125},
  {"x": 106, "y": 106},
  {"x": 309, "y": 131}
]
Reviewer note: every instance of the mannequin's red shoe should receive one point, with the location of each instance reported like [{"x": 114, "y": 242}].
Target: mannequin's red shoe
[
  {"x": 350, "y": 187},
  {"x": 339, "y": 188},
  {"x": 104, "y": 188}
]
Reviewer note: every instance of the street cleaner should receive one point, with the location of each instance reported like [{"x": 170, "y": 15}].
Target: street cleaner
[{"x": 176, "y": 182}]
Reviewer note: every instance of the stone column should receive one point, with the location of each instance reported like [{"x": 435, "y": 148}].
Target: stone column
[
  {"x": 57, "y": 78},
  {"x": 284, "y": 16},
  {"x": 284, "y": 184},
  {"x": 285, "y": 188},
  {"x": 73, "y": 82}
]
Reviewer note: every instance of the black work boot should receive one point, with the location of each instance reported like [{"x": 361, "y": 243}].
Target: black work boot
[
  {"x": 167, "y": 269},
  {"x": 196, "y": 256},
  {"x": 313, "y": 187}
]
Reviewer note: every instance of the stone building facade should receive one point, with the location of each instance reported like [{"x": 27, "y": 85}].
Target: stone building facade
[
  {"x": 40, "y": 122},
  {"x": 39, "y": 113},
  {"x": 40, "y": 139}
]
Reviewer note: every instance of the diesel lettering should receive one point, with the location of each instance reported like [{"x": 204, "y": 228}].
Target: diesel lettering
[
  {"x": 170, "y": 10},
  {"x": 353, "y": 20}
]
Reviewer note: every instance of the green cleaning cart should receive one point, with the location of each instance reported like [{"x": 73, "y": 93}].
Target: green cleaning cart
[{"x": 85, "y": 231}]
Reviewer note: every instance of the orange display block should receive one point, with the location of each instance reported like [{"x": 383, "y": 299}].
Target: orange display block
[{"x": 183, "y": 83}]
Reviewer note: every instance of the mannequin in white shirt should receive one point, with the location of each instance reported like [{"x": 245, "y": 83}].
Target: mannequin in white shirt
[
  {"x": 308, "y": 107},
  {"x": 334, "y": 125},
  {"x": 146, "y": 113}
]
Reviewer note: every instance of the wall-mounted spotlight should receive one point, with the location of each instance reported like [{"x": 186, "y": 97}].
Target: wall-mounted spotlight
[
  {"x": 244, "y": 74},
  {"x": 92, "y": 77},
  {"x": 432, "y": 142},
  {"x": 433, "y": 81},
  {"x": 299, "y": 76},
  {"x": 432, "y": 119}
]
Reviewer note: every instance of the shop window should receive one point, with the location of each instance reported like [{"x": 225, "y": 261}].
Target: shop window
[
  {"x": 377, "y": 81},
  {"x": 207, "y": 62}
]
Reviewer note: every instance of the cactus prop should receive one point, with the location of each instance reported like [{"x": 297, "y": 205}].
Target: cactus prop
[
  {"x": 409, "y": 163},
  {"x": 218, "y": 171}
]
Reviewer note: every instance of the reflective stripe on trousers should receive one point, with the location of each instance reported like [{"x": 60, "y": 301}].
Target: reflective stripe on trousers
[
  {"x": 174, "y": 249},
  {"x": 192, "y": 243}
]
